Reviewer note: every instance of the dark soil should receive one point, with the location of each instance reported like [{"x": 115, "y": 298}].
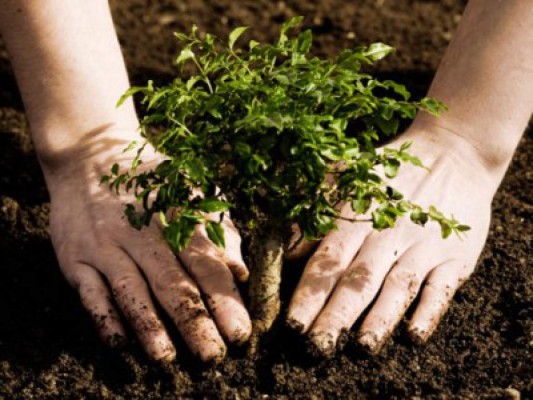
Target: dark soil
[{"x": 49, "y": 349}]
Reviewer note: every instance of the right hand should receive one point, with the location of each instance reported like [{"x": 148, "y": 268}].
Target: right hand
[{"x": 117, "y": 269}]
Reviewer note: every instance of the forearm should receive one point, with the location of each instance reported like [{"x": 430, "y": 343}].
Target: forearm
[
  {"x": 70, "y": 72},
  {"x": 486, "y": 80}
]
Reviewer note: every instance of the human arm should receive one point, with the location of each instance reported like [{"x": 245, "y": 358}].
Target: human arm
[
  {"x": 71, "y": 73},
  {"x": 486, "y": 80}
]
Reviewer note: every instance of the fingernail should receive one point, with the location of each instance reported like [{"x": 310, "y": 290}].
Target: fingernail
[
  {"x": 161, "y": 348},
  {"x": 243, "y": 276},
  {"x": 168, "y": 357},
  {"x": 324, "y": 343},
  {"x": 370, "y": 341},
  {"x": 214, "y": 354},
  {"x": 241, "y": 334},
  {"x": 116, "y": 340},
  {"x": 419, "y": 335},
  {"x": 295, "y": 325}
]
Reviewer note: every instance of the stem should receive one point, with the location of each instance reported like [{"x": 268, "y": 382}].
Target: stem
[{"x": 266, "y": 252}]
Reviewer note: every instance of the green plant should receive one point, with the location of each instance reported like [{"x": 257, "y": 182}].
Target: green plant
[{"x": 278, "y": 137}]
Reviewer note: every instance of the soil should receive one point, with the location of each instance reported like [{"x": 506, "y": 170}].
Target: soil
[{"x": 49, "y": 348}]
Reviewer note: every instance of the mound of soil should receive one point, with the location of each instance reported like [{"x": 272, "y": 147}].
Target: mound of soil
[{"x": 49, "y": 349}]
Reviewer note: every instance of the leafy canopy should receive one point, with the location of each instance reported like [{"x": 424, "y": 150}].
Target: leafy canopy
[{"x": 274, "y": 134}]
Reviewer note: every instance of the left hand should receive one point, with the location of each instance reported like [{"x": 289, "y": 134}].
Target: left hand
[{"x": 354, "y": 264}]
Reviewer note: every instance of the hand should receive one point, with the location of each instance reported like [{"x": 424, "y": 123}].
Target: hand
[
  {"x": 355, "y": 265},
  {"x": 116, "y": 268}
]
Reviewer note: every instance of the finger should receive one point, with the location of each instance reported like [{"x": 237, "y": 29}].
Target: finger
[
  {"x": 96, "y": 299},
  {"x": 322, "y": 272},
  {"x": 356, "y": 289},
  {"x": 299, "y": 247},
  {"x": 215, "y": 279},
  {"x": 399, "y": 290},
  {"x": 132, "y": 296},
  {"x": 180, "y": 297},
  {"x": 436, "y": 297},
  {"x": 233, "y": 253}
]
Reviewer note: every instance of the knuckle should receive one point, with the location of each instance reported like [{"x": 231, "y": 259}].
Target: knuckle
[
  {"x": 190, "y": 310},
  {"x": 126, "y": 282},
  {"x": 338, "y": 318},
  {"x": 359, "y": 277},
  {"x": 91, "y": 293},
  {"x": 169, "y": 279},
  {"x": 404, "y": 278},
  {"x": 208, "y": 267}
]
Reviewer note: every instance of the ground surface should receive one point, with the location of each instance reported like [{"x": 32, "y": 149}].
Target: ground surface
[{"x": 48, "y": 348}]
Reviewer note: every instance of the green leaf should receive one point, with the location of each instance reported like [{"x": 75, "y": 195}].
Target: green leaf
[
  {"x": 130, "y": 146},
  {"x": 361, "y": 206},
  {"x": 377, "y": 51},
  {"x": 234, "y": 35},
  {"x": 215, "y": 232},
  {"x": 389, "y": 127},
  {"x": 291, "y": 23},
  {"x": 419, "y": 217},
  {"x": 432, "y": 106},
  {"x": 181, "y": 36},
  {"x": 391, "y": 167},
  {"x": 163, "y": 219},
  {"x": 462, "y": 228},
  {"x": 400, "y": 89},
  {"x": 114, "y": 169},
  {"x": 435, "y": 214},
  {"x": 185, "y": 54},
  {"x": 446, "y": 229},
  {"x": 211, "y": 205},
  {"x": 394, "y": 194},
  {"x": 304, "y": 41},
  {"x": 130, "y": 92},
  {"x": 192, "y": 81}
]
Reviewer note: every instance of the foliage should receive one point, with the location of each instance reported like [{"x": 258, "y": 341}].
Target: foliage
[{"x": 276, "y": 134}]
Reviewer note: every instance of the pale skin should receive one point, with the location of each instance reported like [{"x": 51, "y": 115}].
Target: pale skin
[
  {"x": 71, "y": 72},
  {"x": 486, "y": 79}
]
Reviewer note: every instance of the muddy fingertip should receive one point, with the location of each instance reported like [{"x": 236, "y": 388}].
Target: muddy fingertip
[
  {"x": 370, "y": 342},
  {"x": 116, "y": 340},
  {"x": 418, "y": 335},
  {"x": 167, "y": 358},
  {"x": 321, "y": 344},
  {"x": 241, "y": 336},
  {"x": 213, "y": 356}
]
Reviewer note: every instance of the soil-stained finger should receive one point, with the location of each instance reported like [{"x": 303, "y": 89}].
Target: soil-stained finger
[
  {"x": 132, "y": 296},
  {"x": 96, "y": 299},
  {"x": 437, "y": 295},
  {"x": 355, "y": 290},
  {"x": 233, "y": 253},
  {"x": 215, "y": 279},
  {"x": 324, "y": 269},
  {"x": 180, "y": 297},
  {"x": 400, "y": 288},
  {"x": 298, "y": 247}
]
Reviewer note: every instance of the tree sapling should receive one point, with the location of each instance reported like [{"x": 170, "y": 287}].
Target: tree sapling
[{"x": 278, "y": 138}]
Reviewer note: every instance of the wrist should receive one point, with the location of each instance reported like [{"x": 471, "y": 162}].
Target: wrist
[
  {"x": 491, "y": 153},
  {"x": 489, "y": 145},
  {"x": 88, "y": 155},
  {"x": 434, "y": 143},
  {"x": 61, "y": 145}
]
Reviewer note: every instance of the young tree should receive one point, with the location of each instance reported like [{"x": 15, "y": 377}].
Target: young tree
[{"x": 278, "y": 138}]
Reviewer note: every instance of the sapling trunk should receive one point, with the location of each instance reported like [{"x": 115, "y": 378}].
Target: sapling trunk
[{"x": 266, "y": 258}]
